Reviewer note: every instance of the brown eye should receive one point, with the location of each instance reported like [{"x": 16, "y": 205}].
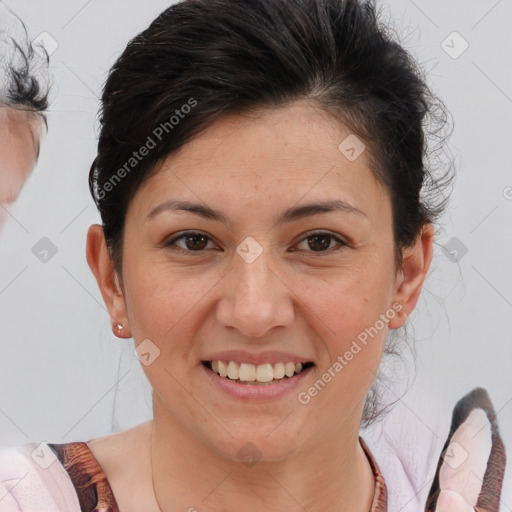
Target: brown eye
[
  {"x": 196, "y": 242},
  {"x": 193, "y": 242},
  {"x": 321, "y": 242}
]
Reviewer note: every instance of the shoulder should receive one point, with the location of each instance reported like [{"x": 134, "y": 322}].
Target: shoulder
[
  {"x": 32, "y": 478},
  {"x": 130, "y": 483},
  {"x": 49, "y": 477},
  {"x": 113, "y": 452}
]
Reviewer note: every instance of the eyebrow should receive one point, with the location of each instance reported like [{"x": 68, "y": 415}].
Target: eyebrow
[{"x": 291, "y": 214}]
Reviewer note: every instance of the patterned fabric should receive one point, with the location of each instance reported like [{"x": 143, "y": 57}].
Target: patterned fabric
[
  {"x": 380, "y": 497},
  {"x": 95, "y": 495},
  {"x": 91, "y": 485}
]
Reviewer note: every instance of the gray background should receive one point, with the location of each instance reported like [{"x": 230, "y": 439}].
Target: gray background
[{"x": 65, "y": 377}]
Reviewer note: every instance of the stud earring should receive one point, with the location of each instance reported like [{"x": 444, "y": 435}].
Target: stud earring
[{"x": 117, "y": 329}]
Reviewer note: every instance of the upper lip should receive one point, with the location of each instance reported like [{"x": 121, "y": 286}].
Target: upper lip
[{"x": 272, "y": 357}]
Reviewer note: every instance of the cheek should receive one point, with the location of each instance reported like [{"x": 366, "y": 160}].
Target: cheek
[
  {"x": 349, "y": 304},
  {"x": 162, "y": 303},
  {"x": 352, "y": 315},
  {"x": 15, "y": 169},
  {"x": 17, "y": 159}
]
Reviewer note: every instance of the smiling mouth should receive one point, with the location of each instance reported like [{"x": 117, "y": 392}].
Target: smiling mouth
[{"x": 245, "y": 373}]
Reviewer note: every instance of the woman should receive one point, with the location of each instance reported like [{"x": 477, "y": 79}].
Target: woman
[
  {"x": 24, "y": 91},
  {"x": 262, "y": 180}
]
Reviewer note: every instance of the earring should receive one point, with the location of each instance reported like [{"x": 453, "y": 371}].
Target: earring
[{"x": 119, "y": 328}]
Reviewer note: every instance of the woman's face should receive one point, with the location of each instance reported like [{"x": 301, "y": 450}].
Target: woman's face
[
  {"x": 255, "y": 287},
  {"x": 19, "y": 140}
]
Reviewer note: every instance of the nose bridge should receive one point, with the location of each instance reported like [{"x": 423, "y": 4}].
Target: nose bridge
[
  {"x": 256, "y": 300},
  {"x": 255, "y": 277}
]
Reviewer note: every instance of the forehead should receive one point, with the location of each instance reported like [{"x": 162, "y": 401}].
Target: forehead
[
  {"x": 14, "y": 119},
  {"x": 294, "y": 133},
  {"x": 278, "y": 155}
]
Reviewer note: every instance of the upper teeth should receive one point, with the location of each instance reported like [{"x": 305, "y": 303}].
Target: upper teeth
[{"x": 249, "y": 372}]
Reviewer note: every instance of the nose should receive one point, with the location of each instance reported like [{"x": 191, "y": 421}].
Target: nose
[{"x": 255, "y": 299}]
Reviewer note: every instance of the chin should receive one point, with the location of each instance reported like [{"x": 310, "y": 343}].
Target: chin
[{"x": 274, "y": 440}]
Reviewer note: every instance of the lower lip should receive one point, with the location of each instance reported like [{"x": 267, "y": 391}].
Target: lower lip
[{"x": 256, "y": 392}]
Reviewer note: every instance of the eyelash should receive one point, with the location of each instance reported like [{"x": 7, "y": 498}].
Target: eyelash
[{"x": 309, "y": 235}]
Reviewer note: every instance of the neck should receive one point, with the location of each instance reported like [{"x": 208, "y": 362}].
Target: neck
[{"x": 332, "y": 475}]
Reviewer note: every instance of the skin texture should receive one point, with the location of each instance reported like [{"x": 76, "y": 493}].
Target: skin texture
[
  {"x": 291, "y": 298},
  {"x": 20, "y": 132}
]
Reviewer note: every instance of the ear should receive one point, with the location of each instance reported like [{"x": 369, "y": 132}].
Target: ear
[
  {"x": 102, "y": 267},
  {"x": 416, "y": 262}
]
